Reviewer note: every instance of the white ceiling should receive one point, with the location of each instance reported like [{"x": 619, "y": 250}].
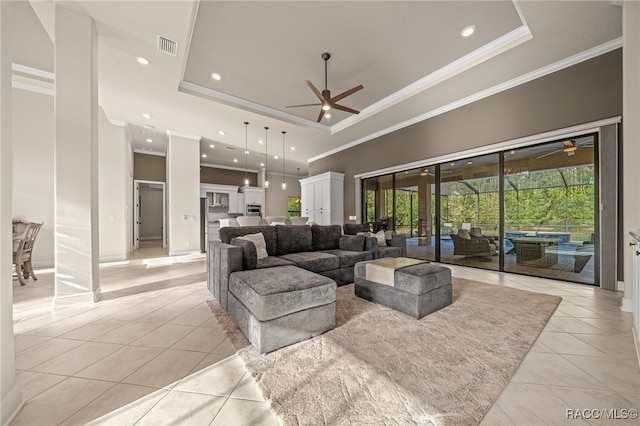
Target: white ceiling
[{"x": 409, "y": 56}]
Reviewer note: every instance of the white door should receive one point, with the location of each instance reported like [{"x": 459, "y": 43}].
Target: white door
[{"x": 136, "y": 215}]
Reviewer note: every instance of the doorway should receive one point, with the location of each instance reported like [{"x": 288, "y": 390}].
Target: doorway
[{"x": 149, "y": 214}]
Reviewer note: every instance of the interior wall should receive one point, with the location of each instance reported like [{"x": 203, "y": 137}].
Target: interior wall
[
  {"x": 149, "y": 167},
  {"x": 183, "y": 195},
  {"x": 226, "y": 176},
  {"x": 113, "y": 178},
  {"x": 276, "y": 198},
  {"x": 150, "y": 213},
  {"x": 33, "y": 169},
  {"x": 583, "y": 93}
]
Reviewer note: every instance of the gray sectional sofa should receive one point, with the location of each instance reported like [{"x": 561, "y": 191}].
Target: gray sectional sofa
[{"x": 288, "y": 296}]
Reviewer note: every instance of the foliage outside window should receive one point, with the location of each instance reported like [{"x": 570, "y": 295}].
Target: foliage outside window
[{"x": 293, "y": 206}]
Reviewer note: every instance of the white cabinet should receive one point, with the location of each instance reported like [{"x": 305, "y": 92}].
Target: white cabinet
[{"x": 323, "y": 198}]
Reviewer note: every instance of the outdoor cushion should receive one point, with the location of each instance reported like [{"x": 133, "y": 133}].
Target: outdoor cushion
[
  {"x": 313, "y": 261},
  {"x": 326, "y": 237},
  {"x": 281, "y": 291},
  {"x": 475, "y": 232},
  {"x": 464, "y": 234},
  {"x": 293, "y": 239}
]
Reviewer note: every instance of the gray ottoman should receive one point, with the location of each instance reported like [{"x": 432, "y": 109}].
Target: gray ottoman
[
  {"x": 276, "y": 307},
  {"x": 417, "y": 290}
]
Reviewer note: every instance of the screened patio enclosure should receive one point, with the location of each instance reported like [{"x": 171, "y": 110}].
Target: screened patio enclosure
[{"x": 535, "y": 206}]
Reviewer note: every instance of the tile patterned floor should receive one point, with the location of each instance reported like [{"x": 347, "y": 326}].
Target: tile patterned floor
[{"x": 150, "y": 353}]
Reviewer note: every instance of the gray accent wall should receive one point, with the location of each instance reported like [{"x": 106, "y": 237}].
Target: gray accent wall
[
  {"x": 607, "y": 241},
  {"x": 583, "y": 93},
  {"x": 149, "y": 167}
]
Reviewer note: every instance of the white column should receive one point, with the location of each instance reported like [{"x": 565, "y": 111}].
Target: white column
[
  {"x": 10, "y": 389},
  {"x": 76, "y": 159},
  {"x": 183, "y": 193},
  {"x": 630, "y": 138}
]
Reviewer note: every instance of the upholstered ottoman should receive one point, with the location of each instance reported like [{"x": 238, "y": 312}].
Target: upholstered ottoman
[
  {"x": 416, "y": 290},
  {"x": 276, "y": 307}
]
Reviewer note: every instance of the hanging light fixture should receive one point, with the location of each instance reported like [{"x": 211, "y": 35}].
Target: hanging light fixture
[
  {"x": 246, "y": 151},
  {"x": 284, "y": 184},
  {"x": 266, "y": 157}
]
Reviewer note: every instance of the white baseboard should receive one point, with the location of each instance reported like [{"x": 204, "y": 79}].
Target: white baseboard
[
  {"x": 113, "y": 258},
  {"x": 88, "y": 297},
  {"x": 151, "y": 238},
  {"x": 12, "y": 403},
  {"x": 627, "y": 305},
  {"x": 183, "y": 252}
]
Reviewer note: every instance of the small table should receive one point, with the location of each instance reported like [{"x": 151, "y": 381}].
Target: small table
[
  {"x": 533, "y": 251},
  {"x": 417, "y": 290}
]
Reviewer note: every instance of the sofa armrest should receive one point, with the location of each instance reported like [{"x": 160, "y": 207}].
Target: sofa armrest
[
  {"x": 399, "y": 240},
  {"x": 371, "y": 244},
  {"x": 223, "y": 259}
]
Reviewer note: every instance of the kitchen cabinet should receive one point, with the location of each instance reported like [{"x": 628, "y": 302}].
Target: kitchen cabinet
[{"x": 323, "y": 198}]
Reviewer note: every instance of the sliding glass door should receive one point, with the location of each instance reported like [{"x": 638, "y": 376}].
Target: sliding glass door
[{"x": 529, "y": 210}]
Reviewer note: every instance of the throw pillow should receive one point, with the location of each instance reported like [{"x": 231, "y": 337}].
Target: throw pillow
[
  {"x": 476, "y": 232},
  {"x": 382, "y": 238},
  {"x": 259, "y": 242},
  {"x": 464, "y": 234}
]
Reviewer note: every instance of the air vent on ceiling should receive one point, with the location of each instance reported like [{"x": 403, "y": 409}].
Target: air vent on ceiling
[
  {"x": 167, "y": 46},
  {"x": 230, "y": 148}
]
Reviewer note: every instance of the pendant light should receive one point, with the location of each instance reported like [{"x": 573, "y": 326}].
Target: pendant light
[
  {"x": 246, "y": 151},
  {"x": 284, "y": 184},
  {"x": 266, "y": 158},
  {"x": 299, "y": 200}
]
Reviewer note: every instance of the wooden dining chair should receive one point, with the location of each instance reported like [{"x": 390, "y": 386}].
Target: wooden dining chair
[{"x": 23, "y": 250}]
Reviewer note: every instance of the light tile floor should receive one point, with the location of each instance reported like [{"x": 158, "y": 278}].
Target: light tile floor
[{"x": 151, "y": 353}]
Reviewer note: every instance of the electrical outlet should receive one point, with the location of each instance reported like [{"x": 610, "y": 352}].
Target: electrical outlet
[{"x": 187, "y": 243}]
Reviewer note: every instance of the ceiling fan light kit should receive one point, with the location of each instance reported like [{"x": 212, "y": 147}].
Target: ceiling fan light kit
[{"x": 326, "y": 101}]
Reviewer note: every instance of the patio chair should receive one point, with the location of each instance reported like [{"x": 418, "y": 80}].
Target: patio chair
[
  {"x": 23, "y": 248},
  {"x": 466, "y": 245}
]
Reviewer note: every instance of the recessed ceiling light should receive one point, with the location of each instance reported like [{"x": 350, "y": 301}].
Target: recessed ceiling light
[
  {"x": 293, "y": 148},
  {"x": 146, "y": 115},
  {"x": 260, "y": 141},
  {"x": 212, "y": 146},
  {"x": 261, "y": 164},
  {"x": 468, "y": 31},
  {"x": 143, "y": 61},
  {"x": 235, "y": 160},
  {"x": 327, "y": 115},
  {"x": 204, "y": 155},
  {"x": 275, "y": 157},
  {"x": 149, "y": 140},
  {"x": 246, "y": 152},
  {"x": 222, "y": 133},
  {"x": 453, "y": 164},
  {"x": 513, "y": 151},
  {"x": 215, "y": 76},
  {"x": 469, "y": 162}
]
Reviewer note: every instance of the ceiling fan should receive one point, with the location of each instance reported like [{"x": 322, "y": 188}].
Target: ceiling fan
[
  {"x": 569, "y": 147},
  {"x": 326, "y": 101}
]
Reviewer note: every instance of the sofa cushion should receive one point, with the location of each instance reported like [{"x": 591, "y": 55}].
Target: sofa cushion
[
  {"x": 349, "y": 258},
  {"x": 326, "y": 237},
  {"x": 227, "y": 233},
  {"x": 280, "y": 291},
  {"x": 464, "y": 234},
  {"x": 249, "y": 256},
  {"x": 314, "y": 261},
  {"x": 273, "y": 261},
  {"x": 354, "y": 228},
  {"x": 259, "y": 242},
  {"x": 293, "y": 239},
  {"x": 352, "y": 242}
]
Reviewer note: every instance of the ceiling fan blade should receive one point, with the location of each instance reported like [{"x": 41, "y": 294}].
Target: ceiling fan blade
[
  {"x": 316, "y": 91},
  {"x": 305, "y": 105},
  {"x": 548, "y": 154},
  {"x": 344, "y": 108},
  {"x": 347, "y": 93},
  {"x": 321, "y": 114}
]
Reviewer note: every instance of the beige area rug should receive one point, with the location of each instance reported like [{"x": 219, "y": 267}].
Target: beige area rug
[{"x": 379, "y": 366}]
